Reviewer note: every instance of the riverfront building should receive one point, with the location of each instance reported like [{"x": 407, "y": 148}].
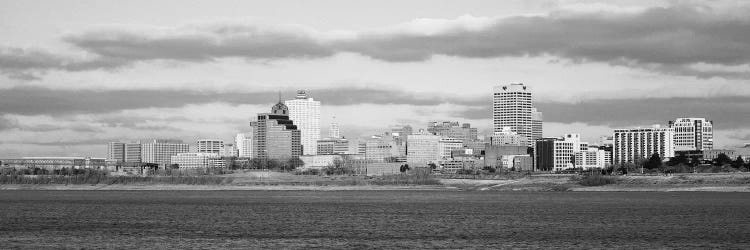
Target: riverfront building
[
  {"x": 536, "y": 125},
  {"x": 555, "y": 154},
  {"x": 160, "y": 151},
  {"x": 197, "y": 160},
  {"x": 463, "y": 132},
  {"x": 692, "y": 134},
  {"x": 124, "y": 152},
  {"x": 304, "y": 111},
  {"x": 276, "y": 136},
  {"x": 640, "y": 143}
]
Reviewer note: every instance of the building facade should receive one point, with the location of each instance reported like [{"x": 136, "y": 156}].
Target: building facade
[
  {"x": 692, "y": 134},
  {"x": 512, "y": 107},
  {"x": 304, "y": 111},
  {"x": 554, "y": 154},
  {"x": 276, "y": 136},
  {"x": 212, "y": 146},
  {"x": 448, "y": 129},
  {"x": 196, "y": 160},
  {"x": 508, "y": 137},
  {"x": 631, "y": 145},
  {"x": 159, "y": 151},
  {"x": 422, "y": 149}
]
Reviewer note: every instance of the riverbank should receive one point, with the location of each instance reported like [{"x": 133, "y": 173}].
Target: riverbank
[{"x": 722, "y": 182}]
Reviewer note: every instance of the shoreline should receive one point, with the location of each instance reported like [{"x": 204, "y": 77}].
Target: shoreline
[{"x": 185, "y": 187}]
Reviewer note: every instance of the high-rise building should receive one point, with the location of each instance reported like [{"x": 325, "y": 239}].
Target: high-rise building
[
  {"x": 512, "y": 108},
  {"x": 536, "y": 124},
  {"x": 692, "y": 134},
  {"x": 133, "y": 152},
  {"x": 304, "y": 111},
  {"x": 276, "y": 136},
  {"x": 116, "y": 151},
  {"x": 212, "y": 146},
  {"x": 334, "y": 130},
  {"x": 160, "y": 151},
  {"x": 635, "y": 144},
  {"x": 124, "y": 152},
  {"x": 244, "y": 144}
]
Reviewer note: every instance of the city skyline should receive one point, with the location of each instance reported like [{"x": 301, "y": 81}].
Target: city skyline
[{"x": 86, "y": 76}]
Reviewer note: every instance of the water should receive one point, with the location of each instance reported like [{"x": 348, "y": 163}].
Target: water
[{"x": 372, "y": 219}]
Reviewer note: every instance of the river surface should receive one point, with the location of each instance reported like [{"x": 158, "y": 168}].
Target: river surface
[{"x": 372, "y": 219}]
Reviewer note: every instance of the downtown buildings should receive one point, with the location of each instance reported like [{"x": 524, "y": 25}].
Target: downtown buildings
[{"x": 637, "y": 144}]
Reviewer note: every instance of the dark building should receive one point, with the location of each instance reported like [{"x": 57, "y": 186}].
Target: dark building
[{"x": 276, "y": 136}]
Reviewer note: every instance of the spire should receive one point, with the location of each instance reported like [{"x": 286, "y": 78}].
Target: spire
[{"x": 279, "y": 96}]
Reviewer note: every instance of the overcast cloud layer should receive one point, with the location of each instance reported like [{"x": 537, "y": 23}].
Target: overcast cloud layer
[{"x": 674, "y": 40}]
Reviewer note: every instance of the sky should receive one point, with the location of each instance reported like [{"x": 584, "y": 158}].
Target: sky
[{"x": 75, "y": 75}]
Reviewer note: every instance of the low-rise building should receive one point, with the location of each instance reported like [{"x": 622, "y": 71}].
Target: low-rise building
[{"x": 197, "y": 160}]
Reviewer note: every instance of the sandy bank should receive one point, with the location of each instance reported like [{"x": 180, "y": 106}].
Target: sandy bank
[{"x": 218, "y": 187}]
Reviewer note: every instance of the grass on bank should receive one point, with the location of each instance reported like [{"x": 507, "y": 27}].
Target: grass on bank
[{"x": 597, "y": 180}]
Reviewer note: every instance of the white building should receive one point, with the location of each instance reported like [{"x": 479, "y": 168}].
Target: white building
[
  {"x": 592, "y": 158},
  {"x": 692, "y": 134},
  {"x": 422, "y": 148},
  {"x": 640, "y": 143},
  {"x": 160, "y": 151},
  {"x": 304, "y": 111},
  {"x": 512, "y": 108},
  {"x": 197, "y": 160},
  {"x": 213, "y": 146},
  {"x": 244, "y": 144}
]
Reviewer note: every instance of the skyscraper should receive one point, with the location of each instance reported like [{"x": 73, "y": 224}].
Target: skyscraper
[
  {"x": 631, "y": 145},
  {"x": 334, "y": 131},
  {"x": 536, "y": 124},
  {"x": 124, "y": 152},
  {"x": 511, "y": 107},
  {"x": 692, "y": 134},
  {"x": 276, "y": 136},
  {"x": 304, "y": 111}
]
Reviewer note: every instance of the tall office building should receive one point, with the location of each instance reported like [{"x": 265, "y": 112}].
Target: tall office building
[
  {"x": 692, "y": 134},
  {"x": 133, "y": 152},
  {"x": 334, "y": 131},
  {"x": 536, "y": 124},
  {"x": 640, "y": 143},
  {"x": 511, "y": 107},
  {"x": 160, "y": 151},
  {"x": 124, "y": 152},
  {"x": 276, "y": 136},
  {"x": 304, "y": 111},
  {"x": 244, "y": 144},
  {"x": 212, "y": 146},
  {"x": 116, "y": 151}
]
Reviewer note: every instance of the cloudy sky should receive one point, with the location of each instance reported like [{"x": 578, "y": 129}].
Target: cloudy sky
[{"x": 77, "y": 74}]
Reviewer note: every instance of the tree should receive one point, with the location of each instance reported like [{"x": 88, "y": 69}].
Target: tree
[
  {"x": 677, "y": 160},
  {"x": 695, "y": 160},
  {"x": 738, "y": 163},
  {"x": 404, "y": 168},
  {"x": 653, "y": 162},
  {"x": 722, "y": 159},
  {"x": 432, "y": 165}
]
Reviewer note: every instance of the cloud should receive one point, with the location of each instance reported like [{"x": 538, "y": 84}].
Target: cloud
[
  {"x": 669, "y": 40},
  {"x": 8, "y": 123},
  {"x": 44, "y": 101}
]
